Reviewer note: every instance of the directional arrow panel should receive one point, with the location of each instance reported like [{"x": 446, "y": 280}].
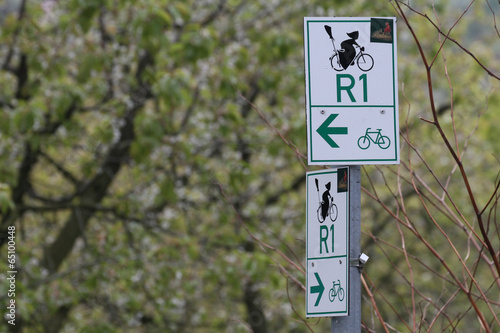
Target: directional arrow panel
[
  {"x": 333, "y": 135},
  {"x": 325, "y": 130},
  {"x": 327, "y": 242},
  {"x": 327, "y": 290},
  {"x": 318, "y": 289}
]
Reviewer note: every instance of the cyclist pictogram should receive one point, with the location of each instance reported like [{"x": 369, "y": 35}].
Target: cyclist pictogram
[
  {"x": 346, "y": 56},
  {"x": 326, "y": 205},
  {"x": 335, "y": 291},
  {"x": 381, "y": 140}
]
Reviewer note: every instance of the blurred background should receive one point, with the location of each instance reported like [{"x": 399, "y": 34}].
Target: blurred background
[{"x": 153, "y": 159}]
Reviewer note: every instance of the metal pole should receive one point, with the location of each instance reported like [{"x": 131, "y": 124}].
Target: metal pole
[{"x": 352, "y": 322}]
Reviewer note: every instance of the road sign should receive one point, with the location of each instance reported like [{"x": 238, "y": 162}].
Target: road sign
[
  {"x": 327, "y": 243},
  {"x": 351, "y": 90}
]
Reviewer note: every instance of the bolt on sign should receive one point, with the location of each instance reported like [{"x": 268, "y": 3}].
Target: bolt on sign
[
  {"x": 327, "y": 239},
  {"x": 351, "y": 90}
]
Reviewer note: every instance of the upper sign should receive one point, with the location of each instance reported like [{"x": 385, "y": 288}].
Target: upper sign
[
  {"x": 327, "y": 243},
  {"x": 351, "y": 90}
]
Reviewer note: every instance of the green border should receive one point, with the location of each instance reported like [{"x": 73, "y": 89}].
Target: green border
[
  {"x": 395, "y": 102},
  {"x": 352, "y": 106},
  {"x": 331, "y": 257},
  {"x": 348, "y": 220}
]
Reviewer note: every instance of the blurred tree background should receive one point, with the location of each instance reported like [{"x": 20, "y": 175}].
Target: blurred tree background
[{"x": 152, "y": 162}]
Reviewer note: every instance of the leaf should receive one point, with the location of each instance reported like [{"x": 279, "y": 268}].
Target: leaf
[
  {"x": 6, "y": 202},
  {"x": 233, "y": 115},
  {"x": 183, "y": 9},
  {"x": 165, "y": 17},
  {"x": 86, "y": 16},
  {"x": 24, "y": 120},
  {"x": 167, "y": 192}
]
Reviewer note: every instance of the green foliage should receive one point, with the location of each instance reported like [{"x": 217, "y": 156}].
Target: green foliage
[
  {"x": 5, "y": 198},
  {"x": 169, "y": 136}
]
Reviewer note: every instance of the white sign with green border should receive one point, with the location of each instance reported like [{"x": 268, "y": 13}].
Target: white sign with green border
[
  {"x": 351, "y": 90},
  {"x": 327, "y": 243}
]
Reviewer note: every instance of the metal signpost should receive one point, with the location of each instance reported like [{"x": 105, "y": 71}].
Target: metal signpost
[
  {"x": 352, "y": 323},
  {"x": 351, "y": 90},
  {"x": 352, "y": 120}
]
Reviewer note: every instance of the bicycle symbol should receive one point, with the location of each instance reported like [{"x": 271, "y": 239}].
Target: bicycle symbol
[
  {"x": 335, "y": 291},
  {"x": 344, "y": 57},
  {"x": 381, "y": 140},
  {"x": 332, "y": 212}
]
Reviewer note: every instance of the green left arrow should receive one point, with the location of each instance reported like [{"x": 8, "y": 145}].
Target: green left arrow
[
  {"x": 319, "y": 289},
  {"x": 324, "y": 130}
]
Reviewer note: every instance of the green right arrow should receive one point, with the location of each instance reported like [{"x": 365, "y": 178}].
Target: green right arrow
[
  {"x": 325, "y": 131},
  {"x": 318, "y": 289}
]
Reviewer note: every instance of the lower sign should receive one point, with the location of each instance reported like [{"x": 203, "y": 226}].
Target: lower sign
[{"x": 327, "y": 242}]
